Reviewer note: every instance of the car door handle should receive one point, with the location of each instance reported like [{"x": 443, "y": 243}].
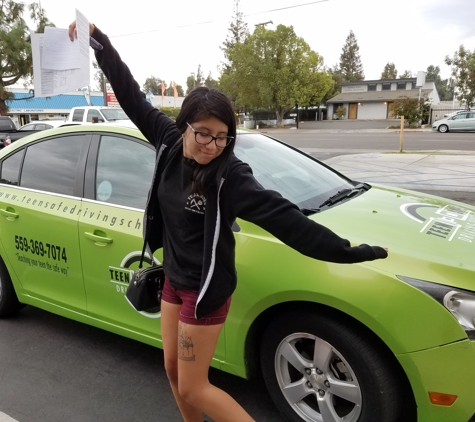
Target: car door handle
[
  {"x": 9, "y": 214},
  {"x": 99, "y": 238}
]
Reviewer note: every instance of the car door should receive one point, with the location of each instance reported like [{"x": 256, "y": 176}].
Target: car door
[
  {"x": 470, "y": 121},
  {"x": 458, "y": 122},
  {"x": 40, "y": 203},
  {"x": 118, "y": 178}
]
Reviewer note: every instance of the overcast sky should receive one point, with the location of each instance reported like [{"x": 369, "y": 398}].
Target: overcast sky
[{"x": 170, "y": 39}]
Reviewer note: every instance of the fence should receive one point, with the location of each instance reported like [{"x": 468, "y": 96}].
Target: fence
[{"x": 441, "y": 113}]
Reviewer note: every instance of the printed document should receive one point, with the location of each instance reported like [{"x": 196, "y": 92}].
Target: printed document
[{"x": 59, "y": 64}]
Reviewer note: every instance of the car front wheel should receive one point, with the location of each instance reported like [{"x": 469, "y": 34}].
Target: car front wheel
[
  {"x": 319, "y": 369},
  {"x": 443, "y": 128},
  {"x": 9, "y": 303}
]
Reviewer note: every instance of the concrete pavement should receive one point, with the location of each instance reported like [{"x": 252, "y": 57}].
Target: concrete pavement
[{"x": 438, "y": 170}]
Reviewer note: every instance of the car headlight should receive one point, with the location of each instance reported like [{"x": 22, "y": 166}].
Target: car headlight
[{"x": 460, "y": 303}]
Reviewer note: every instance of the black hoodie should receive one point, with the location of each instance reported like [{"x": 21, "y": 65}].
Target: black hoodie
[{"x": 238, "y": 195}]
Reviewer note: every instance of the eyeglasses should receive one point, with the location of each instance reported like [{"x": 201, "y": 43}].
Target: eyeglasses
[{"x": 205, "y": 138}]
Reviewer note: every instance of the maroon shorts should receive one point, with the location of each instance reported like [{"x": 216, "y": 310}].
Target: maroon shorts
[{"x": 187, "y": 299}]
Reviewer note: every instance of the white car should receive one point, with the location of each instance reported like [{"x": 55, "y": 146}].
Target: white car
[
  {"x": 454, "y": 113},
  {"x": 464, "y": 121},
  {"x": 45, "y": 124}
]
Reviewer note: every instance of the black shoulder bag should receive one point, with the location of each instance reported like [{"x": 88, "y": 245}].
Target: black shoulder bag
[{"x": 145, "y": 288}]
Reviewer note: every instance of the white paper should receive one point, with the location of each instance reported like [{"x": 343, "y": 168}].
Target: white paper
[
  {"x": 59, "y": 53},
  {"x": 71, "y": 66}
]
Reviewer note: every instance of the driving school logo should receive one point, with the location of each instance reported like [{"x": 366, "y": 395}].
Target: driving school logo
[
  {"x": 448, "y": 223},
  {"x": 122, "y": 275},
  {"x": 196, "y": 203}
]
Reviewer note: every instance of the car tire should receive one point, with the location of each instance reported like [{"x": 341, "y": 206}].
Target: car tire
[
  {"x": 443, "y": 128},
  {"x": 9, "y": 303},
  {"x": 350, "y": 379}
]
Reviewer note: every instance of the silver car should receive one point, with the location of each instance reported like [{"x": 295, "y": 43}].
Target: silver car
[{"x": 461, "y": 121}]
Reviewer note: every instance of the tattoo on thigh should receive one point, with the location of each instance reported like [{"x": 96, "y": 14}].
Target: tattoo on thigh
[{"x": 185, "y": 343}]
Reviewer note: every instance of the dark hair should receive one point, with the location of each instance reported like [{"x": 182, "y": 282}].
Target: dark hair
[{"x": 200, "y": 104}]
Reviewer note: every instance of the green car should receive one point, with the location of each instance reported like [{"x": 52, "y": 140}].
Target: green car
[{"x": 333, "y": 342}]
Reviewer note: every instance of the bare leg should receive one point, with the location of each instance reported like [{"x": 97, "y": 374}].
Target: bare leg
[
  {"x": 196, "y": 347},
  {"x": 170, "y": 316}
]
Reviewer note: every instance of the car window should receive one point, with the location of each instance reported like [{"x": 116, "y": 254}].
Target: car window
[
  {"x": 460, "y": 116},
  {"x": 51, "y": 165},
  {"x": 124, "y": 171},
  {"x": 11, "y": 168},
  {"x": 114, "y": 114},
  {"x": 305, "y": 182},
  {"x": 28, "y": 127},
  {"x": 42, "y": 126},
  {"x": 94, "y": 113},
  {"x": 77, "y": 115}
]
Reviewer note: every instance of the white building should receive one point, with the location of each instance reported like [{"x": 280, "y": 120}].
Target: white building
[{"x": 375, "y": 99}]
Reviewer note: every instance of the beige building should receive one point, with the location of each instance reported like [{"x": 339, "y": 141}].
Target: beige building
[{"x": 375, "y": 99}]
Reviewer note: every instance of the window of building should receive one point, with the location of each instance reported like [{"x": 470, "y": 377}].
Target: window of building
[
  {"x": 371, "y": 87},
  {"x": 414, "y": 85},
  {"x": 401, "y": 85},
  {"x": 386, "y": 86},
  {"x": 51, "y": 165}
]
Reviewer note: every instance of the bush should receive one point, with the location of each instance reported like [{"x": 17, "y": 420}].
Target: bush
[
  {"x": 170, "y": 112},
  {"x": 340, "y": 112}
]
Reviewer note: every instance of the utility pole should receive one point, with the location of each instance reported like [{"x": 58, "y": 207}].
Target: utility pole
[{"x": 264, "y": 23}]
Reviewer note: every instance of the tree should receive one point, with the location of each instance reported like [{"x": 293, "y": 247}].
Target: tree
[
  {"x": 389, "y": 71},
  {"x": 463, "y": 71},
  {"x": 194, "y": 80},
  {"x": 210, "y": 82},
  {"x": 153, "y": 85},
  {"x": 16, "y": 61},
  {"x": 237, "y": 33},
  {"x": 445, "y": 87},
  {"x": 350, "y": 62},
  {"x": 99, "y": 77},
  {"x": 275, "y": 69},
  {"x": 413, "y": 109},
  {"x": 171, "y": 92},
  {"x": 406, "y": 75},
  {"x": 337, "y": 79}
]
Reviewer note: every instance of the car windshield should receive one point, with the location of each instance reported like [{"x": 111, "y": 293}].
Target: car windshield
[
  {"x": 112, "y": 114},
  {"x": 297, "y": 177}
]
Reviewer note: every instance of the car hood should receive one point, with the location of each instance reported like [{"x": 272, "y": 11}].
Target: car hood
[{"x": 429, "y": 238}]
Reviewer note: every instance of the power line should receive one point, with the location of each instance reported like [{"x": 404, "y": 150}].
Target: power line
[
  {"x": 284, "y": 8},
  {"x": 209, "y": 22}
]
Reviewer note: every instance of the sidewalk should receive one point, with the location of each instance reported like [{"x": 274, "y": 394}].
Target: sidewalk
[{"x": 436, "y": 170}]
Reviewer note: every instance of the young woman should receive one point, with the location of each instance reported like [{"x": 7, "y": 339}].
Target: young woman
[{"x": 199, "y": 188}]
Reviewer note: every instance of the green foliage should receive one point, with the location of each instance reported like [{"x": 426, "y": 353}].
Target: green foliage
[
  {"x": 171, "y": 92},
  {"x": 15, "y": 48},
  {"x": 389, "y": 71},
  {"x": 210, "y": 82},
  {"x": 340, "y": 112},
  {"x": 337, "y": 79},
  {"x": 237, "y": 33},
  {"x": 413, "y": 109},
  {"x": 406, "y": 75},
  {"x": 351, "y": 67},
  {"x": 170, "y": 112},
  {"x": 445, "y": 87},
  {"x": 463, "y": 71},
  {"x": 153, "y": 85},
  {"x": 275, "y": 69},
  {"x": 99, "y": 76}
]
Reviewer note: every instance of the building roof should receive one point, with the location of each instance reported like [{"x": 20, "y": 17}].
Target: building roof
[
  {"x": 64, "y": 101},
  {"x": 356, "y": 97}
]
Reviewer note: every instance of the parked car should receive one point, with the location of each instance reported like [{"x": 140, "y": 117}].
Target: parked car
[
  {"x": 453, "y": 113},
  {"x": 333, "y": 342},
  {"x": 460, "y": 122},
  {"x": 7, "y": 137},
  {"x": 43, "y": 124}
]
